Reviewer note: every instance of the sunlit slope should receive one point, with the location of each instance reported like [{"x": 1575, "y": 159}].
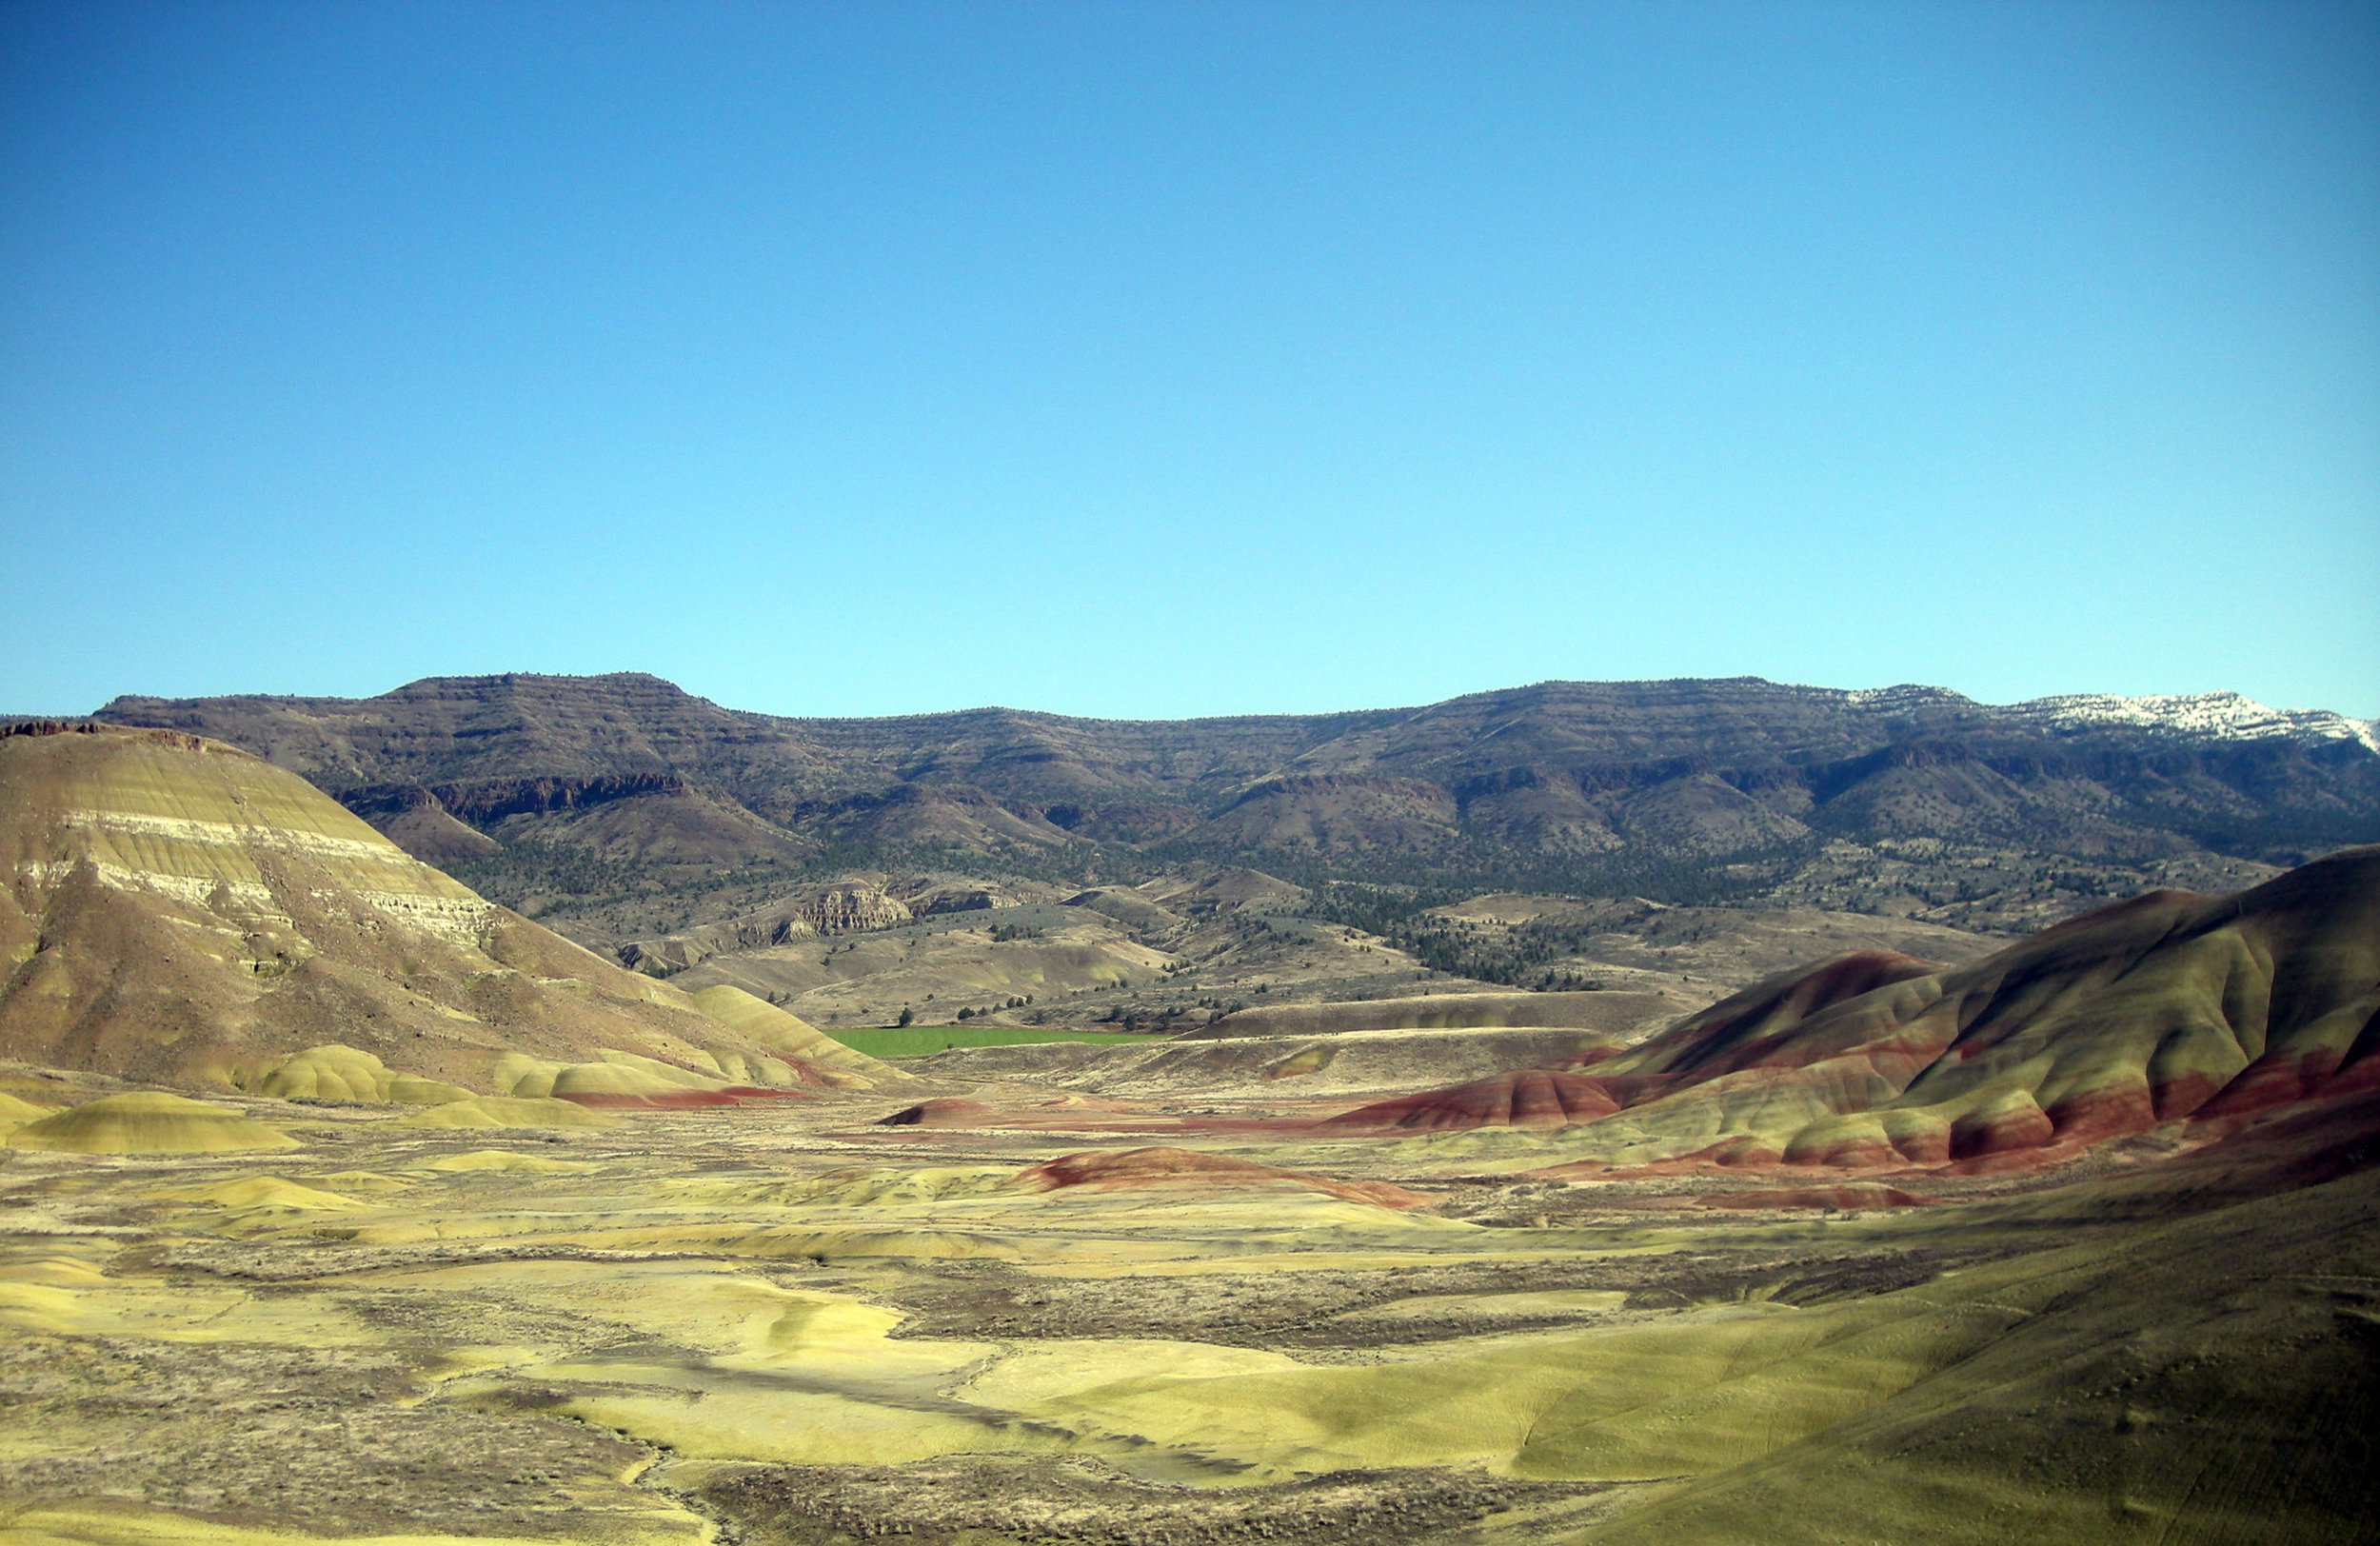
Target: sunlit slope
[
  {"x": 2212, "y": 1381},
  {"x": 182, "y": 912},
  {"x": 789, "y": 1037},
  {"x": 148, "y": 1122},
  {"x": 2168, "y": 1009}
]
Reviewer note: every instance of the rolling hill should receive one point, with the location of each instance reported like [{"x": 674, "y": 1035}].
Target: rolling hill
[
  {"x": 182, "y": 913},
  {"x": 2175, "y": 1014}
]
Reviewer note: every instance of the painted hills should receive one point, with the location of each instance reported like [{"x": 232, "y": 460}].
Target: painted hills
[
  {"x": 2176, "y": 1013},
  {"x": 584, "y": 795},
  {"x": 2072, "y": 1239},
  {"x": 179, "y": 912}
]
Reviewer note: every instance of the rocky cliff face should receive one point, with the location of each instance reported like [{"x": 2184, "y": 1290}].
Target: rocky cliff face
[
  {"x": 852, "y": 907},
  {"x": 848, "y": 910}
]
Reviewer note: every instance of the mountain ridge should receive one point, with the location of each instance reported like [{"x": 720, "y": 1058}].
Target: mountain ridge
[
  {"x": 2217, "y": 715},
  {"x": 1909, "y": 798}
]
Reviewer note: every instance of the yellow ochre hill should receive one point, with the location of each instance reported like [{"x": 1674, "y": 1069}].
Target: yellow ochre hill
[
  {"x": 149, "y": 1122},
  {"x": 179, "y": 912}
]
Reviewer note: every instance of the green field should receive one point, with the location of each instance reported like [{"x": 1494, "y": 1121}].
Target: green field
[{"x": 925, "y": 1041}]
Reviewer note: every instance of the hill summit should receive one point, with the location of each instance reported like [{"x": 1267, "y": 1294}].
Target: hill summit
[{"x": 182, "y": 912}]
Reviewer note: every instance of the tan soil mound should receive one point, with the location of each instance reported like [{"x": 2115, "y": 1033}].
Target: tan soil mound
[
  {"x": 1137, "y": 1169},
  {"x": 334, "y": 1072},
  {"x": 504, "y": 1111},
  {"x": 184, "y": 914},
  {"x": 265, "y": 1192},
  {"x": 624, "y": 1080},
  {"x": 945, "y": 1111},
  {"x": 808, "y": 1054},
  {"x": 1529, "y": 1098},
  {"x": 148, "y": 1123}
]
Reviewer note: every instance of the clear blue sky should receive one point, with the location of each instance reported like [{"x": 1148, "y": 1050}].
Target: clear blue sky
[{"x": 1157, "y": 359}]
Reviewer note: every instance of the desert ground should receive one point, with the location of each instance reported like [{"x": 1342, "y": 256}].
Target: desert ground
[{"x": 1070, "y": 1318}]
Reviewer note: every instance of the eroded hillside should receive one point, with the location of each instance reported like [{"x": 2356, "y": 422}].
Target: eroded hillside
[
  {"x": 181, "y": 912},
  {"x": 621, "y": 807}
]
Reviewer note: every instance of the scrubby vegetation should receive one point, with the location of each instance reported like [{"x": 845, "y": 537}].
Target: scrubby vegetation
[{"x": 925, "y": 1041}]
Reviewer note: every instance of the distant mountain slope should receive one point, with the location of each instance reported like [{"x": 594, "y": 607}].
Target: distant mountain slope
[
  {"x": 462, "y": 731},
  {"x": 2224, "y": 715},
  {"x": 1836, "y": 798},
  {"x": 181, "y": 912},
  {"x": 2167, "y": 1010}
]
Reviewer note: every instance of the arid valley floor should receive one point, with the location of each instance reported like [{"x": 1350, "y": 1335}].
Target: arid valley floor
[
  {"x": 780, "y": 1323},
  {"x": 777, "y": 1322},
  {"x": 338, "y": 1202}
]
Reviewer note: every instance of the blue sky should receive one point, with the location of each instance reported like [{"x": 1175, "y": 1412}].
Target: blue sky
[{"x": 1153, "y": 360}]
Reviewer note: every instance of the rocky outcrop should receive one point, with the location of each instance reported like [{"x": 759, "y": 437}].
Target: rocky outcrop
[
  {"x": 847, "y": 907},
  {"x": 484, "y": 802},
  {"x": 850, "y": 908},
  {"x": 674, "y": 952}
]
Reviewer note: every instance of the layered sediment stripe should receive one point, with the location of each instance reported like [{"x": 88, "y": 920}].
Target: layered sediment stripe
[
  {"x": 190, "y": 860},
  {"x": 458, "y": 920},
  {"x": 192, "y": 890},
  {"x": 138, "y": 825},
  {"x": 2172, "y": 1010}
]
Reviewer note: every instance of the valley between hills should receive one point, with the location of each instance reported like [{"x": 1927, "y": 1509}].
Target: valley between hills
[{"x": 506, "y": 1109}]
